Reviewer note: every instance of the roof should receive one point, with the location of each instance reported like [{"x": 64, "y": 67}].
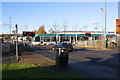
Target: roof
[
  {"x": 95, "y": 34},
  {"x": 46, "y": 35},
  {"x": 53, "y": 35},
  {"x": 110, "y": 35},
  {"x": 86, "y": 31},
  {"x": 66, "y": 34}
]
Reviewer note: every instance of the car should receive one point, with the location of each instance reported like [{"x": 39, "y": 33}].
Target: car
[{"x": 63, "y": 45}]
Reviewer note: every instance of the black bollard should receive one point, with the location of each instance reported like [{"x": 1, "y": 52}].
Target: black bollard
[{"x": 62, "y": 56}]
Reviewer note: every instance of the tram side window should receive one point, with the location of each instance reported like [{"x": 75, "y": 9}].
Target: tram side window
[
  {"x": 37, "y": 39},
  {"x": 79, "y": 38},
  {"x": 66, "y": 38},
  {"x": 53, "y": 39},
  {"x": 97, "y": 38},
  {"x": 49, "y": 39},
  {"x": 83, "y": 38}
]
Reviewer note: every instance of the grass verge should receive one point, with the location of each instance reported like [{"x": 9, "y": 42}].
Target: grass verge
[{"x": 25, "y": 70}]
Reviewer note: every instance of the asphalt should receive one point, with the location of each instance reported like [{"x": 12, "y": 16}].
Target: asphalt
[{"x": 91, "y": 63}]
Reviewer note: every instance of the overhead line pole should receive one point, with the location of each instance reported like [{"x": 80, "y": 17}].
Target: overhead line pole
[{"x": 105, "y": 39}]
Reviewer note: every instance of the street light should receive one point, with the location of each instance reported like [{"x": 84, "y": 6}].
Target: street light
[
  {"x": 96, "y": 27},
  {"x": 105, "y": 39},
  {"x": 105, "y": 15},
  {"x": 55, "y": 29},
  {"x": 83, "y": 27},
  {"x": 102, "y": 19},
  {"x": 104, "y": 30},
  {"x": 74, "y": 28},
  {"x": 16, "y": 41},
  {"x": 10, "y": 23}
]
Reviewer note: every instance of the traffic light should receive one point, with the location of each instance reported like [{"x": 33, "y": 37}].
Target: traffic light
[
  {"x": 24, "y": 34},
  {"x": 87, "y": 34}
]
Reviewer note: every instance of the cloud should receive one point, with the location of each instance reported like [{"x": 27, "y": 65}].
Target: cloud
[
  {"x": 94, "y": 22},
  {"x": 26, "y": 25},
  {"x": 3, "y": 24},
  {"x": 31, "y": 26}
]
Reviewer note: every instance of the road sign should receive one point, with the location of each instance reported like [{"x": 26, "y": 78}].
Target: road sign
[
  {"x": 117, "y": 26},
  {"x": 14, "y": 31},
  {"x": 28, "y": 33},
  {"x": 105, "y": 33}
]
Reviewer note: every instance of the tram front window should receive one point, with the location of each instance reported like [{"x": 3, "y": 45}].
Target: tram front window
[{"x": 37, "y": 39}]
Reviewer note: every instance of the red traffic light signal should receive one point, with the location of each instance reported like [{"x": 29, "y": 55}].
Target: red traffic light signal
[{"x": 87, "y": 34}]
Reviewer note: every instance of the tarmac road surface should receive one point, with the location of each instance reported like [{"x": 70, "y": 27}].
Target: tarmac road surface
[{"x": 91, "y": 63}]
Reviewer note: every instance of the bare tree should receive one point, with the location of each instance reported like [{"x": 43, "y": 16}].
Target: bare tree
[
  {"x": 51, "y": 31},
  {"x": 55, "y": 27},
  {"x": 65, "y": 25}
]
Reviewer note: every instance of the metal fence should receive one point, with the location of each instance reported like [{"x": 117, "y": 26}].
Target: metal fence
[{"x": 89, "y": 43}]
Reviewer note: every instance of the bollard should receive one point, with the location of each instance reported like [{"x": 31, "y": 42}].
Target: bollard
[{"x": 62, "y": 57}]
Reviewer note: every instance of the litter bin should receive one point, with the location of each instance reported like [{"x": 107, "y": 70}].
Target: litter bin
[{"x": 62, "y": 57}]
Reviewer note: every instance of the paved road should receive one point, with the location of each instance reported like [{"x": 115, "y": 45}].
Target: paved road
[{"x": 91, "y": 63}]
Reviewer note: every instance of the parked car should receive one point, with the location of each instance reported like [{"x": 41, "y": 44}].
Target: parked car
[{"x": 63, "y": 45}]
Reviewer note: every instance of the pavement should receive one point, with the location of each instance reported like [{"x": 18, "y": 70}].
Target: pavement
[
  {"x": 34, "y": 58},
  {"x": 28, "y": 57}
]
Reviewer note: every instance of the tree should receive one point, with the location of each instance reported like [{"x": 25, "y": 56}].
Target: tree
[
  {"x": 35, "y": 31},
  {"x": 51, "y": 31},
  {"x": 41, "y": 30},
  {"x": 6, "y": 36}
]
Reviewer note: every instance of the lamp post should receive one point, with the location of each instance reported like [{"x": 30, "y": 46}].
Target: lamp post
[
  {"x": 105, "y": 39},
  {"x": 55, "y": 29},
  {"x": 10, "y": 23},
  {"x": 102, "y": 39},
  {"x": 74, "y": 28},
  {"x": 105, "y": 16},
  {"x": 16, "y": 41},
  {"x": 82, "y": 28},
  {"x": 96, "y": 27},
  {"x": 102, "y": 19},
  {"x": 104, "y": 28}
]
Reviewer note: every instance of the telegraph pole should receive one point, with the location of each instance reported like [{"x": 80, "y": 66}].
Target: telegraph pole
[{"x": 16, "y": 41}]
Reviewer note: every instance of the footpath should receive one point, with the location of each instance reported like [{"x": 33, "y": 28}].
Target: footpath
[{"x": 28, "y": 57}]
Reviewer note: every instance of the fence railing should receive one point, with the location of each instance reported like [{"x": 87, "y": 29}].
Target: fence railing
[{"x": 89, "y": 43}]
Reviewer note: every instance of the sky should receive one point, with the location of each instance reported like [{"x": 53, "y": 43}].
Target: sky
[{"x": 73, "y": 15}]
